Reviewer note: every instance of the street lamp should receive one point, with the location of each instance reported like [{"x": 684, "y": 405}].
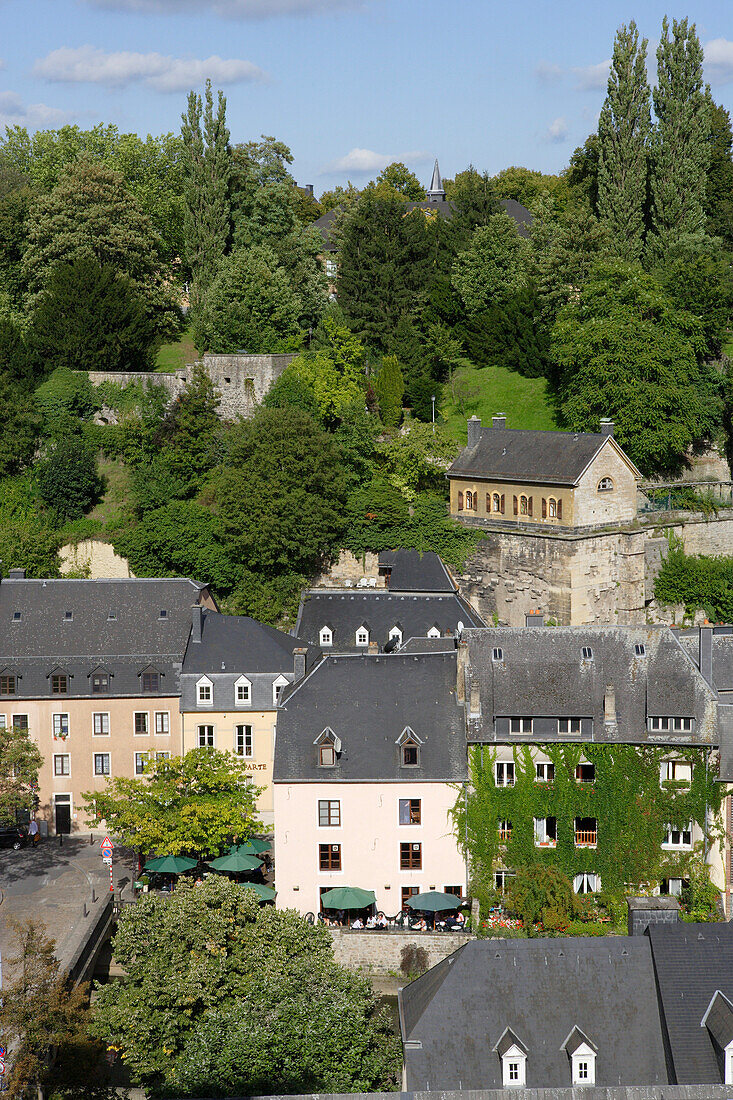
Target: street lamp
[{"x": 433, "y": 401}]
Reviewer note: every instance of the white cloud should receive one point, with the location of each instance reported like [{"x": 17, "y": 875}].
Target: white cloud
[
  {"x": 557, "y": 131},
  {"x": 548, "y": 73},
  {"x": 14, "y": 112},
  {"x": 361, "y": 161},
  {"x": 719, "y": 61},
  {"x": 230, "y": 9},
  {"x": 591, "y": 77},
  {"x": 90, "y": 65}
]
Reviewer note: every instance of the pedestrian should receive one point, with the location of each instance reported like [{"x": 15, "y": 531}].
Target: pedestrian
[{"x": 33, "y": 832}]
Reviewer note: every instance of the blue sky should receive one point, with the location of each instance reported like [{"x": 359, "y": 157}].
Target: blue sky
[{"x": 348, "y": 84}]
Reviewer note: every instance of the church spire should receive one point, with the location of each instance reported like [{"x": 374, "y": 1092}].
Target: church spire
[{"x": 436, "y": 191}]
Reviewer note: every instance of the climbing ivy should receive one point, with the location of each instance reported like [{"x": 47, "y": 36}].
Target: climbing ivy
[{"x": 631, "y": 807}]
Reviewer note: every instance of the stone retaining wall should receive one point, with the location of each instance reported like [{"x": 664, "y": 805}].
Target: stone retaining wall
[{"x": 380, "y": 952}]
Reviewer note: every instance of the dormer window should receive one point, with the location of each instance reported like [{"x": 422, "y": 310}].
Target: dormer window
[
  {"x": 150, "y": 681},
  {"x": 586, "y": 653},
  {"x": 328, "y": 746},
  {"x": 204, "y": 692},
  {"x": 7, "y": 683},
  {"x": 395, "y": 635},
  {"x": 68, "y": 616},
  {"x": 605, "y": 485},
  {"x": 242, "y": 691},
  {"x": 434, "y": 631},
  {"x": 163, "y": 613},
  {"x": 718, "y": 1020},
  {"x": 640, "y": 650},
  {"x": 100, "y": 682},
  {"x": 497, "y": 654},
  {"x": 362, "y": 636},
  {"x": 17, "y": 616},
  {"x": 409, "y": 745},
  {"x": 277, "y": 689},
  {"x": 582, "y": 1055},
  {"x": 112, "y": 616},
  {"x": 59, "y": 683},
  {"x": 326, "y": 636},
  {"x": 513, "y": 1054}
]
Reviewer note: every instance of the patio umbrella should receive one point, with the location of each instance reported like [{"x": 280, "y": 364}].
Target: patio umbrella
[
  {"x": 252, "y": 847},
  {"x": 236, "y": 863},
  {"x": 348, "y": 897},
  {"x": 264, "y": 893},
  {"x": 434, "y": 901},
  {"x": 170, "y": 865}
]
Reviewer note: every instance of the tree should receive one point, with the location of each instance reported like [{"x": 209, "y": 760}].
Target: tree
[
  {"x": 627, "y": 352},
  {"x": 206, "y": 172},
  {"x": 21, "y": 427},
  {"x": 176, "y": 537},
  {"x": 623, "y": 136},
  {"x": 398, "y": 177},
  {"x": 543, "y": 895},
  {"x": 191, "y": 431},
  {"x": 582, "y": 173},
  {"x": 565, "y": 253},
  {"x": 90, "y": 317},
  {"x": 719, "y": 185},
  {"x": 192, "y": 803},
  {"x": 510, "y": 335},
  {"x": 39, "y": 1010},
  {"x": 257, "y": 165},
  {"x": 20, "y": 761},
  {"x": 703, "y": 285},
  {"x": 494, "y": 267},
  {"x": 254, "y": 991},
  {"x": 65, "y": 398},
  {"x": 528, "y": 186},
  {"x": 334, "y": 373},
  {"x": 339, "y": 196},
  {"x": 68, "y": 481},
  {"x": 474, "y": 198},
  {"x": 680, "y": 147},
  {"x": 376, "y": 515},
  {"x": 27, "y": 537},
  {"x": 390, "y": 390},
  {"x": 251, "y": 305}
]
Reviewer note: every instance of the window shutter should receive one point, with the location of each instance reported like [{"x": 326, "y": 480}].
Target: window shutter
[
  {"x": 516, "y": 507},
  {"x": 529, "y": 506},
  {"x": 502, "y": 504},
  {"x": 488, "y": 503},
  {"x": 460, "y": 502},
  {"x": 559, "y": 508},
  {"x": 544, "y": 508},
  {"x": 404, "y": 811}
]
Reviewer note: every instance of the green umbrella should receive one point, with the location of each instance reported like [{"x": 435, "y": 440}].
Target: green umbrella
[
  {"x": 252, "y": 847},
  {"x": 264, "y": 893},
  {"x": 434, "y": 901},
  {"x": 236, "y": 862},
  {"x": 348, "y": 897},
  {"x": 170, "y": 865}
]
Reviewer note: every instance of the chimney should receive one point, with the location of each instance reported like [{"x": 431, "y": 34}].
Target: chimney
[
  {"x": 373, "y": 647},
  {"x": 646, "y": 911},
  {"x": 16, "y": 574},
  {"x": 534, "y": 618},
  {"x": 308, "y": 188},
  {"x": 609, "y": 706},
  {"x": 461, "y": 667},
  {"x": 197, "y": 618},
  {"x": 474, "y": 709},
  {"x": 299, "y": 656},
  {"x": 474, "y": 431},
  {"x": 706, "y": 653},
  {"x": 498, "y": 421},
  {"x": 607, "y": 426}
]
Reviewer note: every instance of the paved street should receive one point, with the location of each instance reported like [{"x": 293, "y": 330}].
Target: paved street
[{"x": 51, "y": 883}]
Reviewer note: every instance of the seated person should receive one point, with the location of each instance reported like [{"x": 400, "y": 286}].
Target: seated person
[
  {"x": 381, "y": 921},
  {"x": 357, "y": 923},
  {"x": 371, "y": 922}
]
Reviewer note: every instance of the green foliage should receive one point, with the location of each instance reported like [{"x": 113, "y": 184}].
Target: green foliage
[
  {"x": 631, "y": 807},
  {"x": 68, "y": 482},
  {"x": 719, "y": 184},
  {"x": 334, "y": 374},
  {"x": 191, "y": 432},
  {"x": 491, "y": 390},
  {"x": 565, "y": 254},
  {"x": 508, "y": 335},
  {"x": 178, "y": 539},
  {"x": 376, "y": 516},
  {"x": 224, "y": 998},
  {"x": 64, "y": 399},
  {"x": 273, "y": 600},
  {"x": 702, "y": 285},
  {"x": 582, "y": 173},
  {"x": 205, "y": 167},
  {"x": 192, "y": 803},
  {"x": 529, "y": 187},
  {"x": 291, "y": 391},
  {"x": 698, "y": 582},
  {"x": 27, "y": 538},
  {"x": 543, "y": 895},
  {"x": 417, "y": 459},
  {"x": 398, "y": 177},
  {"x": 390, "y": 391},
  {"x": 21, "y": 427},
  {"x": 494, "y": 267},
  {"x": 20, "y": 762}
]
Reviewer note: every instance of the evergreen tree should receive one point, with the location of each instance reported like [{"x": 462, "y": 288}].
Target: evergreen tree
[
  {"x": 719, "y": 185},
  {"x": 680, "y": 147},
  {"x": 623, "y": 133},
  {"x": 206, "y": 171},
  {"x": 390, "y": 391}
]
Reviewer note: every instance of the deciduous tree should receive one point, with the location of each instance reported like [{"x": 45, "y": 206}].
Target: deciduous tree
[
  {"x": 399, "y": 178},
  {"x": 494, "y": 267},
  {"x": 20, "y": 761},
  {"x": 206, "y": 171}
]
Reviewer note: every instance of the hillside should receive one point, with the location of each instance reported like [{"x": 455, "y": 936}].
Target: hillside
[{"x": 486, "y": 391}]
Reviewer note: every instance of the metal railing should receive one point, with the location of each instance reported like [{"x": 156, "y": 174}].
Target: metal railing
[
  {"x": 586, "y": 838},
  {"x": 684, "y": 496}
]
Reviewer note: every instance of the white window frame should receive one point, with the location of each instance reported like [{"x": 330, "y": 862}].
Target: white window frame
[
  {"x": 244, "y": 726},
  {"x": 62, "y": 756},
  {"x": 141, "y": 757},
  {"x": 395, "y": 632},
  {"x": 58, "y": 725},
  {"x": 588, "y": 879},
  {"x": 362, "y": 637},
  {"x": 329, "y": 802},
  {"x": 680, "y": 846},
  {"x": 668, "y": 724},
  {"x": 243, "y": 688},
  {"x": 206, "y": 726},
  {"x": 146, "y": 732},
  {"x": 277, "y": 686},
  {"x": 500, "y": 879},
  {"x": 605, "y": 485},
  {"x": 584, "y": 1057},
  {"x": 102, "y": 774},
  {"x": 514, "y": 1061},
  {"x": 502, "y": 770},
  {"x": 728, "y": 1064},
  {"x": 433, "y": 632},
  {"x": 163, "y": 714},
  {"x": 542, "y": 771},
  {"x": 326, "y": 636},
  {"x": 520, "y": 725},
  {"x": 565, "y": 727},
  {"x": 541, "y": 839},
  {"x": 102, "y": 714},
  {"x": 204, "y": 692},
  {"x": 668, "y": 769}
]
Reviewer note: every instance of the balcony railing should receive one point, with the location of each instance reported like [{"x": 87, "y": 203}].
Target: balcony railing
[
  {"x": 586, "y": 838},
  {"x": 505, "y": 834}
]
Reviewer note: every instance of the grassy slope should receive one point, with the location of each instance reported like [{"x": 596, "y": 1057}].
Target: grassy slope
[
  {"x": 492, "y": 390},
  {"x": 175, "y": 356},
  {"x": 117, "y": 494}
]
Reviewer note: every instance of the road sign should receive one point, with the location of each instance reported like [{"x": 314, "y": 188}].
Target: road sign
[
  {"x": 107, "y": 859},
  {"x": 106, "y": 847}
]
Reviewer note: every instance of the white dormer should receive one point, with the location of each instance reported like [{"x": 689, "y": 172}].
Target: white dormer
[
  {"x": 582, "y": 1054},
  {"x": 277, "y": 688},
  {"x": 513, "y": 1054},
  {"x": 242, "y": 692},
  {"x": 326, "y": 636},
  {"x": 718, "y": 1019},
  {"x": 434, "y": 631},
  {"x": 395, "y": 634},
  {"x": 328, "y": 746},
  {"x": 205, "y": 692},
  {"x": 362, "y": 635}
]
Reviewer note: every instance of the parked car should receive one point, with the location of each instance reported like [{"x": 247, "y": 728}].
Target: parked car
[{"x": 13, "y": 836}]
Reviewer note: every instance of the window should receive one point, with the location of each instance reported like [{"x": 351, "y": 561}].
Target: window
[
  {"x": 17, "y": 616},
  {"x": 456, "y": 891},
  {"x": 59, "y": 683},
  {"x": 7, "y": 684},
  {"x": 163, "y": 613},
  {"x": 470, "y": 497},
  {"x": 331, "y": 269},
  {"x": 525, "y": 506},
  {"x": 395, "y": 634},
  {"x": 141, "y": 722},
  {"x": 162, "y": 721},
  {"x": 605, "y": 485},
  {"x": 586, "y": 883},
  {"x": 243, "y": 740},
  {"x": 552, "y": 508},
  {"x": 100, "y": 724},
  {"x": 62, "y": 764},
  {"x": 150, "y": 681},
  {"x": 520, "y": 725},
  {"x": 277, "y": 689},
  {"x": 410, "y": 754},
  {"x": 586, "y": 653},
  {"x": 206, "y": 737},
  {"x": 671, "y": 725},
  {"x": 407, "y": 893},
  {"x": 545, "y": 832},
  {"x": 327, "y": 756},
  {"x": 100, "y": 683},
  {"x": 68, "y": 616},
  {"x": 140, "y": 763},
  {"x": 501, "y": 879},
  {"x": 460, "y": 502},
  {"x": 329, "y": 811},
  {"x": 242, "y": 691},
  {"x": 410, "y": 857},
  {"x": 434, "y": 631},
  {"x": 497, "y": 654},
  {"x": 112, "y": 615},
  {"x": 586, "y": 832},
  {"x": 205, "y": 692},
  {"x": 585, "y": 773},
  {"x": 362, "y": 636},
  {"x": 101, "y": 763},
  {"x": 160, "y": 756},
  {"x": 504, "y": 773},
  {"x": 60, "y": 726},
  {"x": 676, "y": 771},
  {"x": 545, "y": 773},
  {"x": 640, "y": 650},
  {"x": 496, "y": 501},
  {"x": 568, "y": 727},
  {"x": 329, "y": 857},
  {"x": 326, "y": 636},
  {"x": 678, "y": 838},
  {"x": 20, "y": 721},
  {"x": 584, "y": 1065},
  {"x": 505, "y": 830},
  {"x": 410, "y": 811},
  {"x": 514, "y": 1067}
]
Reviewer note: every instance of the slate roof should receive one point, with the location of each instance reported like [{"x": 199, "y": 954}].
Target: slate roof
[
  {"x": 541, "y": 990},
  {"x": 523, "y": 455},
  {"x": 345, "y": 611},
  {"x": 722, "y": 653},
  {"x": 411, "y": 571},
  {"x": 691, "y": 962},
  {"x": 542, "y": 674},
  {"x": 135, "y": 637},
  {"x": 368, "y": 701}
]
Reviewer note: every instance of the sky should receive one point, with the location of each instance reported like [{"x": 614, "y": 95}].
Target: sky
[{"x": 349, "y": 85}]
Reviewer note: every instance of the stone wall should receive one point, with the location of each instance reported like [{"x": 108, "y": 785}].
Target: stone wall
[
  {"x": 379, "y": 952},
  {"x": 93, "y": 559},
  {"x": 349, "y": 567}
]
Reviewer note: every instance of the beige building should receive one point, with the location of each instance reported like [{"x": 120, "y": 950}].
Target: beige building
[{"x": 557, "y": 479}]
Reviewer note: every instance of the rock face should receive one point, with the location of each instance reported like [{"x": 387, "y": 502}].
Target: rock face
[{"x": 94, "y": 559}]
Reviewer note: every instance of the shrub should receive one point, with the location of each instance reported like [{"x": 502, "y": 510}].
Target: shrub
[
  {"x": 68, "y": 481},
  {"x": 413, "y": 960}
]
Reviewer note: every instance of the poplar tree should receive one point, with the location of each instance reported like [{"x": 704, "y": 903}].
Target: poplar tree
[
  {"x": 390, "y": 389},
  {"x": 623, "y": 133},
  {"x": 680, "y": 147},
  {"x": 206, "y": 170}
]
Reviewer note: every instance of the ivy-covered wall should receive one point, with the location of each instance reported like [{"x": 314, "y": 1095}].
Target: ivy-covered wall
[{"x": 631, "y": 806}]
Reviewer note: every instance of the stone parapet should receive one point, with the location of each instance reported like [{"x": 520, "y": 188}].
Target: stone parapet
[{"x": 380, "y": 952}]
